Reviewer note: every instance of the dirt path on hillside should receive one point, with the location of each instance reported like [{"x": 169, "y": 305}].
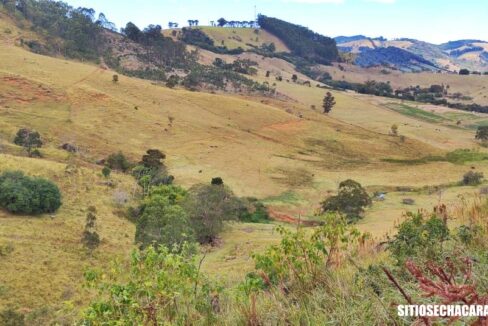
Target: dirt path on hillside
[
  {"x": 281, "y": 217},
  {"x": 93, "y": 73}
]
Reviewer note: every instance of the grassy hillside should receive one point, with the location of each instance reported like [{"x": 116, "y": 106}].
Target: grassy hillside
[
  {"x": 233, "y": 38},
  {"x": 278, "y": 149}
]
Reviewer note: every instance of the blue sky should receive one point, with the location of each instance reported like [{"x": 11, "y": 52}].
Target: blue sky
[{"x": 434, "y": 21}]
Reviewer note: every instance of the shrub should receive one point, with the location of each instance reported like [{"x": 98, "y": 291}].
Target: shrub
[
  {"x": 173, "y": 81},
  {"x": 351, "y": 200},
  {"x": 6, "y": 249},
  {"x": 118, "y": 161},
  {"x": 472, "y": 178},
  {"x": 106, "y": 171},
  {"x": 91, "y": 239},
  {"x": 394, "y": 130},
  {"x": 253, "y": 211},
  {"x": 300, "y": 259},
  {"x": 482, "y": 133},
  {"x": 160, "y": 287},
  {"x": 115, "y": 79},
  {"x": 10, "y": 317},
  {"x": 464, "y": 72},
  {"x": 408, "y": 201},
  {"x": 163, "y": 221},
  {"x": 418, "y": 234},
  {"x": 20, "y": 194},
  {"x": 217, "y": 181}
]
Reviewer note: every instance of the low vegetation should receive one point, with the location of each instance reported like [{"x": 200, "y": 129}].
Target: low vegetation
[
  {"x": 307, "y": 269},
  {"x": 21, "y": 194}
]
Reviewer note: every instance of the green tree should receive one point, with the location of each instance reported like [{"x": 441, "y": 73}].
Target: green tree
[
  {"x": 29, "y": 139},
  {"x": 132, "y": 32},
  {"x": 328, "y": 103},
  {"x": 163, "y": 223},
  {"x": 464, "y": 72},
  {"x": 208, "y": 207},
  {"x": 351, "y": 200}
]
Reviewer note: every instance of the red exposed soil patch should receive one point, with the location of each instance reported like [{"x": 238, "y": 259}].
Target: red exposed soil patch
[
  {"x": 280, "y": 217},
  {"x": 24, "y": 91}
]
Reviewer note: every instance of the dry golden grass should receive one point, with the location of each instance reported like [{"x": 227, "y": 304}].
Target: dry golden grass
[
  {"x": 277, "y": 149},
  {"x": 45, "y": 268},
  {"x": 233, "y": 38},
  {"x": 474, "y": 86}
]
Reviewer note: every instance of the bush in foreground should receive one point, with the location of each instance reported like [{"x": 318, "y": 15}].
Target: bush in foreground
[
  {"x": 159, "y": 287},
  {"x": 21, "y": 194}
]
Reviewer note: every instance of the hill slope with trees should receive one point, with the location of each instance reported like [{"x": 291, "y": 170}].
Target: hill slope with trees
[{"x": 301, "y": 41}]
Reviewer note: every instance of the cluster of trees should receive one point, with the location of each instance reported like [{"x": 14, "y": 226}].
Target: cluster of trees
[
  {"x": 427, "y": 94},
  {"x": 222, "y": 22},
  {"x": 242, "y": 66},
  {"x": 161, "y": 51},
  {"x": 369, "y": 87},
  {"x": 198, "y": 38},
  {"x": 467, "y": 72},
  {"x": 170, "y": 215},
  {"x": 211, "y": 76},
  {"x": 434, "y": 94},
  {"x": 21, "y": 194},
  {"x": 78, "y": 28},
  {"x": 193, "y": 22},
  {"x": 301, "y": 41}
]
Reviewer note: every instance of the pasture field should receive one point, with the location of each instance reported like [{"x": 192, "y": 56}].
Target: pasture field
[{"x": 280, "y": 149}]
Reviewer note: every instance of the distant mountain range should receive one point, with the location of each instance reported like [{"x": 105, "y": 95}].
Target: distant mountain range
[{"x": 414, "y": 55}]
